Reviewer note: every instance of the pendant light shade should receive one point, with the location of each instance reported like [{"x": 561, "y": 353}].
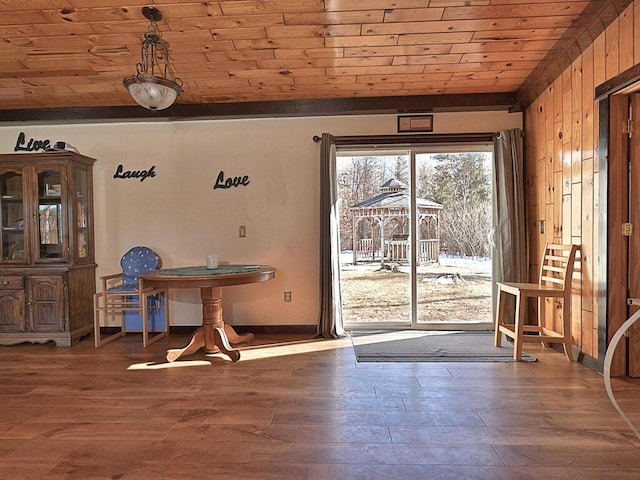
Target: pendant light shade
[{"x": 148, "y": 88}]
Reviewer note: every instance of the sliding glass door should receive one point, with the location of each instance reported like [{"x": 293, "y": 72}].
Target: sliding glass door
[
  {"x": 375, "y": 193},
  {"x": 454, "y": 288},
  {"x": 415, "y": 229}
]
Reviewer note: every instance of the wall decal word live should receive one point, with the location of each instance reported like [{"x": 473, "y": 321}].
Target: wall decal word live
[
  {"x": 141, "y": 174},
  {"x": 32, "y": 145},
  {"x": 221, "y": 182}
]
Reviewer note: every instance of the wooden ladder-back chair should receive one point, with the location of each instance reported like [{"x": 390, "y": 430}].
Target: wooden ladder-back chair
[
  {"x": 555, "y": 281},
  {"x": 122, "y": 294}
]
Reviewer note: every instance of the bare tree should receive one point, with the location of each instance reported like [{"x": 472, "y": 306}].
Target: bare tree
[
  {"x": 400, "y": 169},
  {"x": 359, "y": 178}
]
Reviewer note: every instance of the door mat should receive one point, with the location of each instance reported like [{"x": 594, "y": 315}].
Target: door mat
[{"x": 432, "y": 346}]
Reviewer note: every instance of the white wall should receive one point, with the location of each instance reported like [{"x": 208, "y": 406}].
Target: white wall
[{"x": 181, "y": 216}]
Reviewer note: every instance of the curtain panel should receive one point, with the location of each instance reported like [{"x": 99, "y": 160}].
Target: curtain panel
[
  {"x": 330, "y": 323},
  {"x": 510, "y": 247}
]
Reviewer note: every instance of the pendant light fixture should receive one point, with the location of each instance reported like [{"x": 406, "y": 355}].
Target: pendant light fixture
[{"x": 147, "y": 87}]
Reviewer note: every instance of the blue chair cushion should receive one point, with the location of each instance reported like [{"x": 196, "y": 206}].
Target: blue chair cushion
[{"x": 136, "y": 261}]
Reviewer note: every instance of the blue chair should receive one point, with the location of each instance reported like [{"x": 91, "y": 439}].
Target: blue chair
[{"x": 123, "y": 295}]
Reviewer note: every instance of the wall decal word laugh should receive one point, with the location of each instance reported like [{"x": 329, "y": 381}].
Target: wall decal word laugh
[{"x": 141, "y": 174}]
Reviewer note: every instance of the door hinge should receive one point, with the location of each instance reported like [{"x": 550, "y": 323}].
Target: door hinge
[
  {"x": 627, "y": 128},
  {"x": 627, "y": 229}
]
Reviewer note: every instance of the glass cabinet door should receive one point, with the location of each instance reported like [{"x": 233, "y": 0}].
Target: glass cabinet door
[
  {"x": 50, "y": 228},
  {"x": 12, "y": 213},
  {"x": 82, "y": 214}
]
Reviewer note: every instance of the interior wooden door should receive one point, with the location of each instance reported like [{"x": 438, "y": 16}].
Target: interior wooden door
[
  {"x": 617, "y": 206},
  {"x": 633, "y": 252}
]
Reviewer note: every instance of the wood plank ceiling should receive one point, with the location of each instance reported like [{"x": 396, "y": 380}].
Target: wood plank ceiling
[{"x": 339, "y": 55}]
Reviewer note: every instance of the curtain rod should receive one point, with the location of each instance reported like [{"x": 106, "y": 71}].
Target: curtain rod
[{"x": 410, "y": 139}]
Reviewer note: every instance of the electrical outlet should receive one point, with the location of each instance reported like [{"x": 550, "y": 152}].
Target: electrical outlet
[
  {"x": 242, "y": 231},
  {"x": 287, "y": 295}
]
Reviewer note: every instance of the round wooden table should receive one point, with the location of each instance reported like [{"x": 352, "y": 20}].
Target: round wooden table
[{"x": 214, "y": 335}]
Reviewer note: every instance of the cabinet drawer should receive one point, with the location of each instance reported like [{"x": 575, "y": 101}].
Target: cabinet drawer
[{"x": 11, "y": 283}]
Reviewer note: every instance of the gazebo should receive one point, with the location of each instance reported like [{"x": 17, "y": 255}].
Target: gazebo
[{"x": 387, "y": 215}]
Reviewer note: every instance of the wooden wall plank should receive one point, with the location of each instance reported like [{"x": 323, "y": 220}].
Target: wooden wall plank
[
  {"x": 540, "y": 186},
  {"x": 587, "y": 235},
  {"x": 557, "y": 206},
  {"x": 612, "y": 38},
  {"x": 576, "y": 120},
  {"x": 536, "y": 240},
  {"x": 577, "y": 317},
  {"x": 586, "y": 90},
  {"x": 557, "y": 101},
  {"x": 600, "y": 60},
  {"x": 567, "y": 130},
  {"x": 576, "y": 212},
  {"x": 586, "y": 333},
  {"x": 626, "y": 40},
  {"x": 557, "y": 150},
  {"x": 549, "y": 109},
  {"x": 548, "y": 236},
  {"x": 567, "y": 209},
  {"x": 576, "y": 146},
  {"x": 548, "y": 173},
  {"x": 541, "y": 163}
]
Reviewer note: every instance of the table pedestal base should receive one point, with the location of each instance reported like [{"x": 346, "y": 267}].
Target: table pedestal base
[
  {"x": 214, "y": 335},
  {"x": 198, "y": 341}
]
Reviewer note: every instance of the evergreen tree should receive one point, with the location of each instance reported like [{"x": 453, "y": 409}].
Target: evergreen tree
[{"x": 461, "y": 183}]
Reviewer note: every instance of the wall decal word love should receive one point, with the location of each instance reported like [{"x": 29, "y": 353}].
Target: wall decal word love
[
  {"x": 141, "y": 174},
  {"x": 221, "y": 182},
  {"x": 32, "y": 145}
]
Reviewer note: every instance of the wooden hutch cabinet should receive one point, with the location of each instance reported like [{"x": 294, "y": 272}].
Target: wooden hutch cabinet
[{"x": 47, "y": 261}]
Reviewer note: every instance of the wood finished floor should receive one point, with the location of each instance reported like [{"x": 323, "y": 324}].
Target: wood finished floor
[{"x": 298, "y": 408}]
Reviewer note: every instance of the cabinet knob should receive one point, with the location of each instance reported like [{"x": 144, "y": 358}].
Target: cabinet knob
[{"x": 4, "y": 282}]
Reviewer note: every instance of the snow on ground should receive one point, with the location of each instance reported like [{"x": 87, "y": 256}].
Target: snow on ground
[{"x": 448, "y": 264}]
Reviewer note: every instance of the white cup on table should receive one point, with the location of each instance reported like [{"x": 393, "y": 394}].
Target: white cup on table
[{"x": 212, "y": 261}]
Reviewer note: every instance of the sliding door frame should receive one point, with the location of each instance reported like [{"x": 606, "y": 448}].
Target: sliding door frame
[{"x": 415, "y": 145}]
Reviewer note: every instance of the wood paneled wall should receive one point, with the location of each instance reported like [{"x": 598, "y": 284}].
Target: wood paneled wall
[{"x": 561, "y": 164}]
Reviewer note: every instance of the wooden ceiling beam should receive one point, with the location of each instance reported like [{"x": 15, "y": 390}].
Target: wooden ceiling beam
[{"x": 293, "y": 108}]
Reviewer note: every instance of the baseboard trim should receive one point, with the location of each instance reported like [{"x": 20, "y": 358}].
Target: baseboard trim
[
  {"x": 264, "y": 329},
  {"x": 276, "y": 329}
]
